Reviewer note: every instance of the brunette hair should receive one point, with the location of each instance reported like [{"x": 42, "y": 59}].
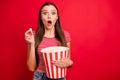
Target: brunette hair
[{"x": 59, "y": 34}]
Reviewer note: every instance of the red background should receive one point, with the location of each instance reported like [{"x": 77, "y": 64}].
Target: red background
[{"x": 94, "y": 26}]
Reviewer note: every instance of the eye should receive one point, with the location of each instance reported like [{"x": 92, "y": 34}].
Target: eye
[
  {"x": 45, "y": 13},
  {"x": 53, "y": 13}
]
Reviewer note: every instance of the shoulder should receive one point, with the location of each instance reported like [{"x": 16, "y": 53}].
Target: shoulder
[
  {"x": 67, "y": 35},
  {"x": 66, "y": 32}
]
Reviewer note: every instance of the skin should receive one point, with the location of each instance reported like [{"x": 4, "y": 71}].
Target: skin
[{"x": 49, "y": 13}]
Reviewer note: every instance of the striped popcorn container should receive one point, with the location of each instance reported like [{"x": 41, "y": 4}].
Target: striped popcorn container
[{"x": 54, "y": 53}]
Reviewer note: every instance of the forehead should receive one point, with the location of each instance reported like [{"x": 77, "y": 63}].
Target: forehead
[{"x": 49, "y": 7}]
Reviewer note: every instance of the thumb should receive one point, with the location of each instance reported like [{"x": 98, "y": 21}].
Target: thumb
[{"x": 31, "y": 30}]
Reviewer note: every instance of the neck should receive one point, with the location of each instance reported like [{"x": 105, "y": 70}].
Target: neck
[{"x": 49, "y": 33}]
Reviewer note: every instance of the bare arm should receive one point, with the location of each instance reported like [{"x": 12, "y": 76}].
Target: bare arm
[
  {"x": 67, "y": 62},
  {"x": 31, "y": 59},
  {"x": 70, "y": 62}
]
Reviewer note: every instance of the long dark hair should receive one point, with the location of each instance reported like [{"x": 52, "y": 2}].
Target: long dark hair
[{"x": 59, "y": 34}]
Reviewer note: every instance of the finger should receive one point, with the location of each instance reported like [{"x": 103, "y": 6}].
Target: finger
[
  {"x": 29, "y": 31},
  {"x": 56, "y": 61},
  {"x": 58, "y": 64},
  {"x": 27, "y": 38}
]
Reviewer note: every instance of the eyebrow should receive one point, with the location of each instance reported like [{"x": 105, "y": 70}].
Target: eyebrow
[{"x": 51, "y": 10}]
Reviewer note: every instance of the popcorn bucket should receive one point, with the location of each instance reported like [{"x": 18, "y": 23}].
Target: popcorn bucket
[{"x": 54, "y": 53}]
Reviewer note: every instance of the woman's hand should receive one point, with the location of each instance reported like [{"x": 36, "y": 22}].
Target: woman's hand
[
  {"x": 66, "y": 62},
  {"x": 31, "y": 58},
  {"x": 29, "y": 36}
]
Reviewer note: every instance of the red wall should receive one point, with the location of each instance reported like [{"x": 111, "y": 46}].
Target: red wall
[{"x": 95, "y": 31}]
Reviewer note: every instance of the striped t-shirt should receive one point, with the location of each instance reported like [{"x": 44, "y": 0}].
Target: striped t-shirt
[{"x": 48, "y": 42}]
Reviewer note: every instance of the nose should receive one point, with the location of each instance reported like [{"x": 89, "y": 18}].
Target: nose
[{"x": 49, "y": 16}]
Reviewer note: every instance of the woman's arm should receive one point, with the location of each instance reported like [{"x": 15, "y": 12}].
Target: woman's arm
[
  {"x": 66, "y": 62},
  {"x": 70, "y": 62},
  {"x": 31, "y": 58}
]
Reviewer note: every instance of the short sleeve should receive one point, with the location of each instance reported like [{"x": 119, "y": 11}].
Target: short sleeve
[{"x": 67, "y": 36}]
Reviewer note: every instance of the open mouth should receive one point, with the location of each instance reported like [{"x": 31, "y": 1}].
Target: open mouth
[{"x": 49, "y": 22}]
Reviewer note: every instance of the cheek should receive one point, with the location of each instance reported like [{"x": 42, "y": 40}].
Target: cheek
[
  {"x": 55, "y": 19},
  {"x": 43, "y": 19}
]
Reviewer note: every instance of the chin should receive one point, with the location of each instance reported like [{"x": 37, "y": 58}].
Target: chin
[{"x": 49, "y": 27}]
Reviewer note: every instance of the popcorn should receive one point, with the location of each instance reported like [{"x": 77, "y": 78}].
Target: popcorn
[
  {"x": 54, "y": 53},
  {"x": 54, "y": 49},
  {"x": 30, "y": 29}
]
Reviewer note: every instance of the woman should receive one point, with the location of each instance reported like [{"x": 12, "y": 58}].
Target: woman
[{"x": 48, "y": 33}]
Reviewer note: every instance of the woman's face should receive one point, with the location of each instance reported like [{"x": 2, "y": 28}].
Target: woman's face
[{"x": 49, "y": 16}]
